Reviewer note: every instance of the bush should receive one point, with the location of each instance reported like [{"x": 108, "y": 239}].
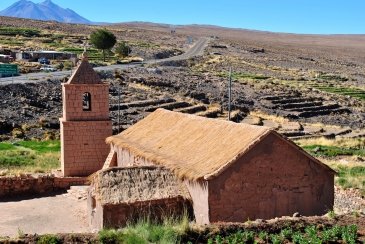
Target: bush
[
  {"x": 67, "y": 65},
  {"x": 17, "y": 133},
  {"x": 48, "y": 239},
  {"x": 122, "y": 50},
  {"x": 110, "y": 236}
]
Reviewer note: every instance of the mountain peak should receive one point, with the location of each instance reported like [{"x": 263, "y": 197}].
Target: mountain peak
[
  {"x": 46, "y": 10},
  {"x": 47, "y": 2}
]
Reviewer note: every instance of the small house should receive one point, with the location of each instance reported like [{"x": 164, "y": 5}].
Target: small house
[
  {"x": 233, "y": 172},
  {"x": 51, "y": 55},
  {"x": 118, "y": 196}
]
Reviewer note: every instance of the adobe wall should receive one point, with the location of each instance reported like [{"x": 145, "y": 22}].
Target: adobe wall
[
  {"x": 272, "y": 180},
  {"x": 126, "y": 158},
  {"x": 73, "y": 97},
  {"x": 199, "y": 194},
  {"x": 118, "y": 215},
  {"x": 83, "y": 147},
  {"x": 94, "y": 210},
  {"x": 30, "y": 185}
]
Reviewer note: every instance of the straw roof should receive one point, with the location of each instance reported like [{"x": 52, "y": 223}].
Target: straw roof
[
  {"x": 84, "y": 74},
  {"x": 192, "y": 147},
  {"x": 132, "y": 184}
]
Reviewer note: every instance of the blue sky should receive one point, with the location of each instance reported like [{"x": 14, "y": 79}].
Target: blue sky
[{"x": 293, "y": 16}]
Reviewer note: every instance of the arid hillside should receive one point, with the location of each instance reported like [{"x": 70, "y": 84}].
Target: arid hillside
[{"x": 304, "y": 79}]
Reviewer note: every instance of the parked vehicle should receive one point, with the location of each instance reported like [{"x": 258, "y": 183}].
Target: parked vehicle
[
  {"x": 48, "y": 68},
  {"x": 43, "y": 61}
]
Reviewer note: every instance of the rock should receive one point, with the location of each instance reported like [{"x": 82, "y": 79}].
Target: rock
[
  {"x": 154, "y": 71},
  {"x": 167, "y": 54},
  {"x": 259, "y": 221}
]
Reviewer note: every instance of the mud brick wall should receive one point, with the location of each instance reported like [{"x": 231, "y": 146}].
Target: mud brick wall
[
  {"x": 272, "y": 180},
  {"x": 118, "y": 215},
  {"x": 28, "y": 185},
  {"x": 83, "y": 147}
]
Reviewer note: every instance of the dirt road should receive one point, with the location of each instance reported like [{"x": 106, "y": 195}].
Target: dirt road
[{"x": 55, "y": 214}]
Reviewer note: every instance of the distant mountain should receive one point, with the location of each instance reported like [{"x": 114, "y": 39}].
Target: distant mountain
[{"x": 46, "y": 10}]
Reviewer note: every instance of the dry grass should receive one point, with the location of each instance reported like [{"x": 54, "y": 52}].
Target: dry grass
[
  {"x": 191, "y": 146},
  {"x": 131, "y": 184},
  {"x": 275, "y": 118},
  {"x": 338, "y": 142}
]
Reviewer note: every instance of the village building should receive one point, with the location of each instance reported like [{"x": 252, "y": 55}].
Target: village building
[
  {"x": 85, "y": 123},
  {"x": 118, "y": 196},
  {"x": 51, "y": 55},
  {"x": 233, "y": 172}
]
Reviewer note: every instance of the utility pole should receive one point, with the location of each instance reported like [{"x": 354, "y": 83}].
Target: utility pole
[
  {"x": 119, "y": 109},
  {"x": 229, "y": 93}
]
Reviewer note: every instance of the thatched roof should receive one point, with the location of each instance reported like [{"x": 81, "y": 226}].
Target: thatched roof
[
  {"x": 192, "y": 147},
  {"x": 132, "y": 184},
  {"x": 84, "y": 74}
]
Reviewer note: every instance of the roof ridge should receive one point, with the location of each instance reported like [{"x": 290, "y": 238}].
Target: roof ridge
[{"x": 84, "y": 73}]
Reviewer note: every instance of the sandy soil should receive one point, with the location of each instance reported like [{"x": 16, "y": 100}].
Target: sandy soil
[{"x": 54, "y": 214}]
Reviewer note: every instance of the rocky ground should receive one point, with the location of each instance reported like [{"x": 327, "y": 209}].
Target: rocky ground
[
  {"x": 32, "y": 110},
  {"x": 306, "y": 79}
]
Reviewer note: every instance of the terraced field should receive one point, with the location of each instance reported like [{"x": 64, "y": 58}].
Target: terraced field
[
  {"x": 288, "y": 107},
  {"x": 351, "y": 92},
  {"x": 298, "y": 106}
]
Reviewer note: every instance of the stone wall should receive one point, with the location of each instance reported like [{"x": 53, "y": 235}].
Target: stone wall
[
  {"x": 274, "y": 179},
  {"x": 29, "y": 185}
]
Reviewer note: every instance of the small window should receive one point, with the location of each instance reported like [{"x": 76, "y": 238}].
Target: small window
[{"x": 86, "y": 101}]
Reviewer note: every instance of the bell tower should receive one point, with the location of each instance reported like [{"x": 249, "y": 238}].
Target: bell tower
[{"x": 85, "y": 123}]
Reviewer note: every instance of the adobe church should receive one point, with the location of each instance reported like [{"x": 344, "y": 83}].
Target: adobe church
[
  {"x": 227, "y": 172},
  {"x": 85, "y": 123}
]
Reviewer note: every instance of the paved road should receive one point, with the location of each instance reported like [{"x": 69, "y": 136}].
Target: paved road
[{"x": 196, "y": 50}]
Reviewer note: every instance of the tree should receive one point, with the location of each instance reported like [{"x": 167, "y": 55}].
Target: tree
[
  {"x": 103, "y": 39},
  {"x": 122, "y": 50}
]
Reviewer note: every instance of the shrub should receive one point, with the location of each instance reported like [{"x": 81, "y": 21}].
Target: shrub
[
  {"x": 48, "y": 239},
  {"x": 122, "y": 50},
  {"x": 67, "y": 65},
  {"x": 110, "y": 236},
  {"x": 17, "y": 133}
]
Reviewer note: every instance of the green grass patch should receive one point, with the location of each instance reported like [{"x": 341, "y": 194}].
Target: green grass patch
[
  {"x": 6, "y": 146},
  {"x": 90, "y": 51},
  {"x": 14, "y": 31},
  {"x": 29, "y": 156},
  {"x": 310, "y": 234},
  {"x": 352, "y": 92},
  {"x": 350, "y": 177},
  {"x": 241, "y": 76},
  {"x": 48, "y": 239},
  {"x": 333, "y": 151},
  {"x": 332, "y": 77},
  {"x": 147, "y": 231},
  {"x": 42, "y": 146},
  {"x": 11, "y": 42}
]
